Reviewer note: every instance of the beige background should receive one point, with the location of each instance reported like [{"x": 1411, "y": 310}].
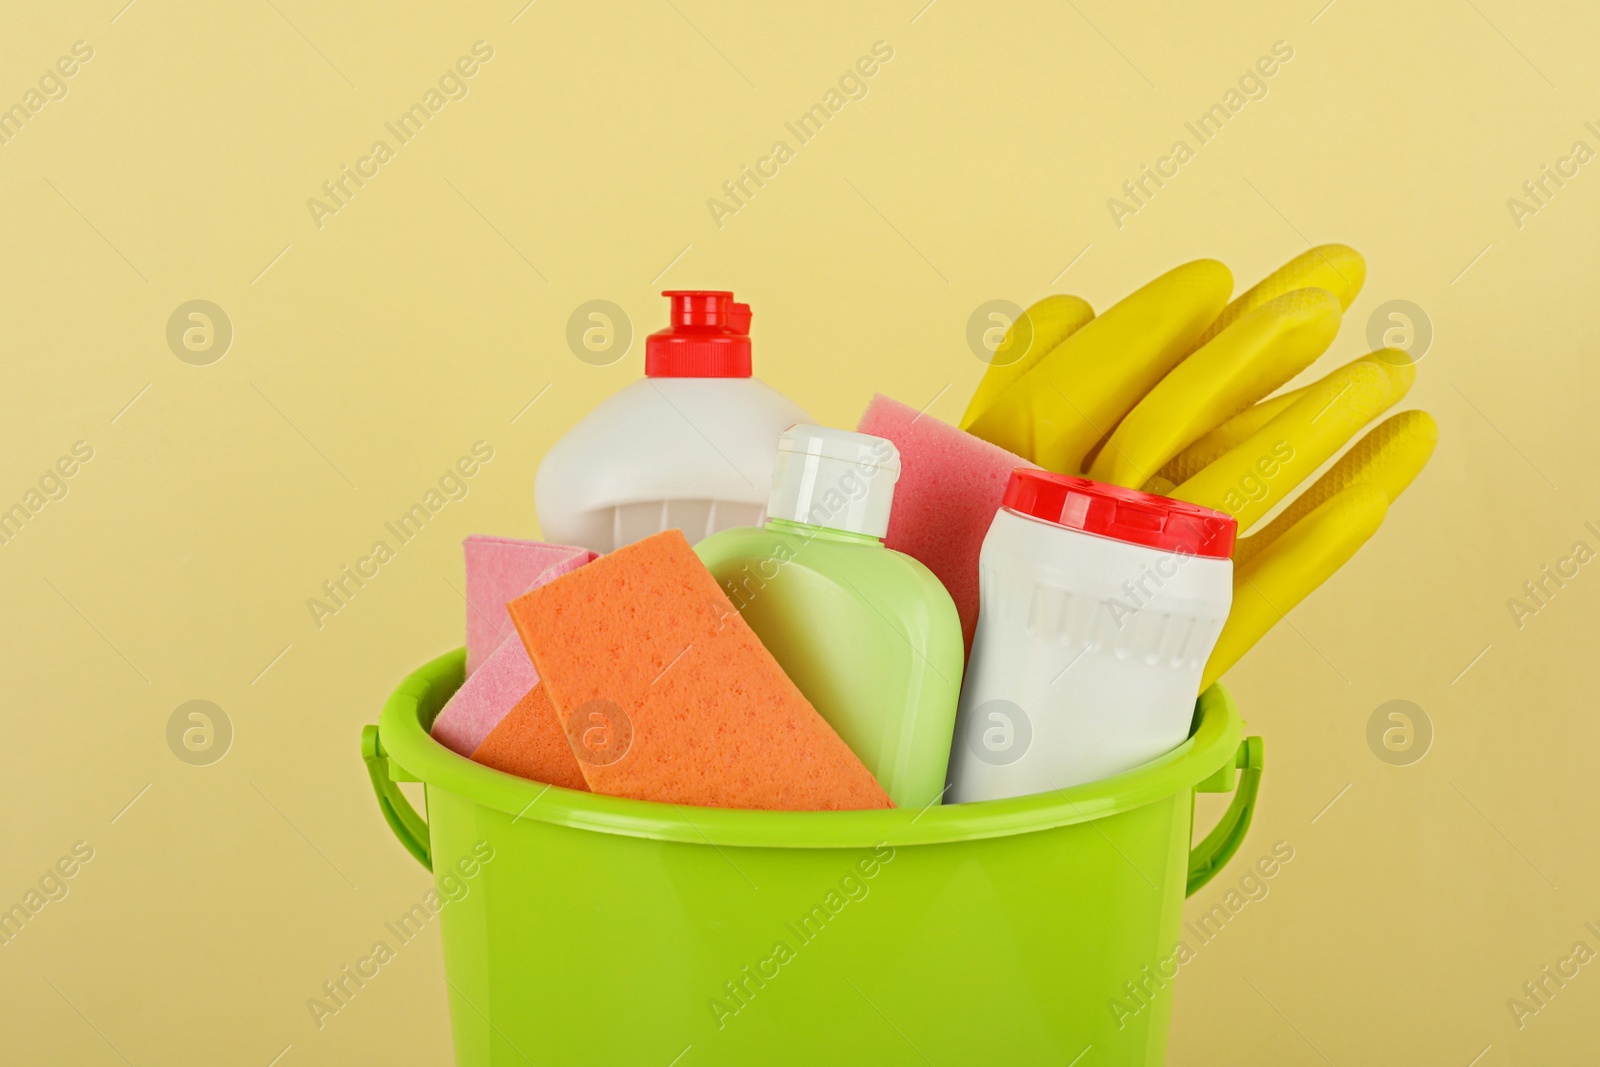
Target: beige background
[{"x": 425, "y": 315}]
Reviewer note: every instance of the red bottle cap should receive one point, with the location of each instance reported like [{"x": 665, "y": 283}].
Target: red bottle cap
[
  {"x": 1122, "y": 514},
  {"x": 709, "y": 337}
]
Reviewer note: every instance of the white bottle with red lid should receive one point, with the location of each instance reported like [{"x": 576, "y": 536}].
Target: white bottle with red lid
[
  {"x": 1098, "y": 608},
  {"x": 690, "y": 446}
]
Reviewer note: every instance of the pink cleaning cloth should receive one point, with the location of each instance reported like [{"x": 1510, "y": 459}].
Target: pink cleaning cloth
[
  {"x": 486, "y": 697},
  {"x": 499, "y": 672},
  {"x": 950, "y": 487},
  {"x": 500, "y": 569}
]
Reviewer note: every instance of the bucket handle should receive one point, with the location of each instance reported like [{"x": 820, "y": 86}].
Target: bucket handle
[
  {"x": 1213, "y": 853},
  {"x": 408, "y": 826}
]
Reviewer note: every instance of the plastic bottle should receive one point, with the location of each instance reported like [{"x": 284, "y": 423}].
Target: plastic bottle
[
  {"x": 690, "y": 446},
  {"x": 869, "y": 635},
  {"x": 1098, "y": 607}
]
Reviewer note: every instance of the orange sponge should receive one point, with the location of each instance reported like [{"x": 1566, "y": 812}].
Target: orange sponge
[
  {"x": 530, "y": 743},
  {"x": 666, "y": 694}
]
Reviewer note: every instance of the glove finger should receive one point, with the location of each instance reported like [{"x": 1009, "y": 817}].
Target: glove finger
[
  {"x": 1256, "y": 355},
  {"x": 1251, "y": 479},
  {"x": 1390, "y": 456},
  {"x": 1208, "y": 448},
  {"x": 1077, "y": 393},
  {"x": 1282, "y": 574},
  {"x": 1204, "y": 452},
  {"x": 1028, "y": 340},
  {"x": 1337, "y": 268}
]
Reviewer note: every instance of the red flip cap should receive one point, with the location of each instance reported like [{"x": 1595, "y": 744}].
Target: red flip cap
[
  {"x": 1158, "y": 522},
  {"x": 709, "y": 337}
]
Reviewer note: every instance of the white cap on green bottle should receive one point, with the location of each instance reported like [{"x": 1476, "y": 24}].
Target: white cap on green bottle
[{"x": 834, "y": 478}]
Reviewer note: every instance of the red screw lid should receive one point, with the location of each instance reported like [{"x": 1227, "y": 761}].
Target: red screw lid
[
  {"x": 709, "y": 337},
  {"x": 1122, "y": 514}
]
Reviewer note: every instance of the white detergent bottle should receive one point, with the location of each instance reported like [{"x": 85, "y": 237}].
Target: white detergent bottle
[
  {"x": 689, "y": 447},
  {"x": 1098, "y": 608}
]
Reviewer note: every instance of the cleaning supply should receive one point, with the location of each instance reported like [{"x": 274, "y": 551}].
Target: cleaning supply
[
  {"x": 1310, "y": 538},
  {"x": 1060, "y": 409},
  {"x": 1390, "y": 457},
  {"x": 1261, "y": 471},
  {"x": 530, "y": 743},
  {"x": 498, "y": 674},
  {"x": 1396, "y": 365},
  {"x": 1280, "y": 575},
  {"x": 499, "y": 569},
  {"x": 868, "y": 634},
  {"x": 950, "y": 485},
  {"x": 666, "y": 694},
  {"x": 1042, "y": 327},
  {"x": 690, "y": 446},
  {"x": 485, "y": 698},
  {"x": 1257, "y": 354},
  {"x": 1100, "y": 607},
  {"x": 1338, "y": 269},
  {"x": 1063, "y": 409}
]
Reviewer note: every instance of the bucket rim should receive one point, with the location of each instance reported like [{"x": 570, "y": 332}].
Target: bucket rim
[{"x": 404, "y": 739}]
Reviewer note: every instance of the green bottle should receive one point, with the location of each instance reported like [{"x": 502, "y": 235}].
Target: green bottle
[{"x": 869, "y": 635}]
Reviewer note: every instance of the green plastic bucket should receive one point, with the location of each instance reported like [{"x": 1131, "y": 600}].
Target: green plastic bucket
[{"x": 592, "y": 930}]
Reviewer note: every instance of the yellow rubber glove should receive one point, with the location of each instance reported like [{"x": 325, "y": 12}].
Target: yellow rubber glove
[
  {"x": 1076, "y": 393},
  {"x": 1164, "y": 392},
  {"x": 1281, "y": 575},
  {"x": 1258, "y": 473},
  {"x": 1209, "y": 446},
  {"x": 1028, "y": 340},
  {"x": 1263, "y": 349},
  {"x": 1390, "y": 456}
]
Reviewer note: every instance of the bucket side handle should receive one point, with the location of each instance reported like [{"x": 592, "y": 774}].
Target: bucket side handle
[
  {"x": 408, "y": 826},
  {"x": 1213, "y": 853}
]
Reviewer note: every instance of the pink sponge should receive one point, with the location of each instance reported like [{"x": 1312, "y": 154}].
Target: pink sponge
[
  {"x": 485, "y": 698},
  {"x": 499, "y": 672},
  {"x": 499, "y": 570},
  {"x": 949, "y": 489}
]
